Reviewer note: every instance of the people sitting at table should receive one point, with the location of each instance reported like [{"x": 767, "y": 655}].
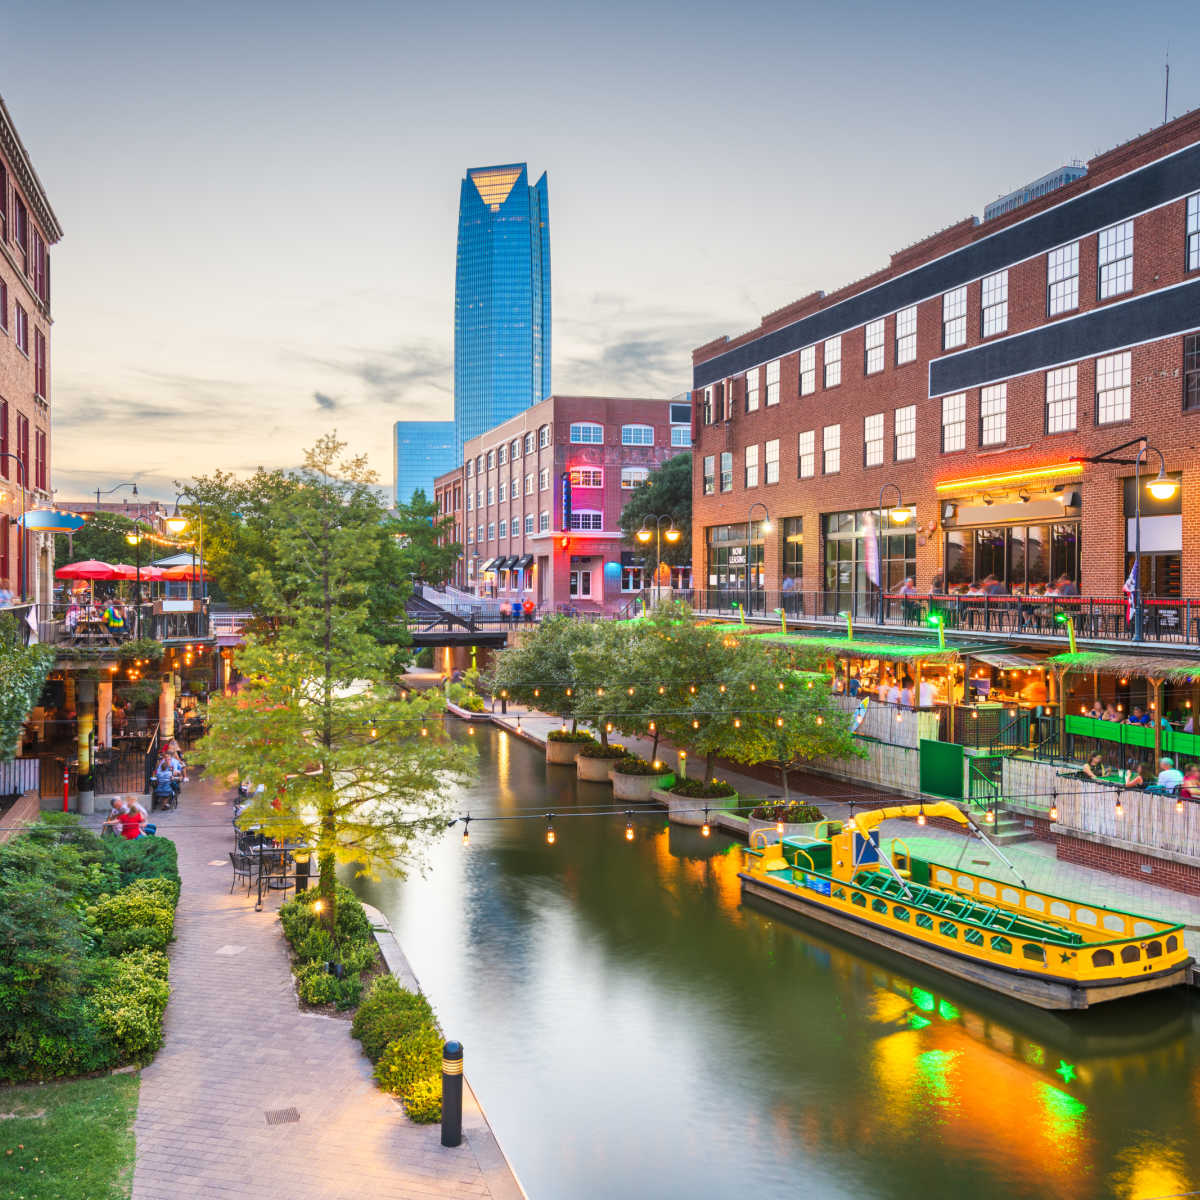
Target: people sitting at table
[
  {"x": 1094, "y": 768},
  {"x": 1169, "y": 777},
  {"x": 113, "y": 618},
  {"x": 1065, "y": 586},
  {"x": 1110, "y": 713},
  {"x": 1164, "y": 723},
  {"x": 1140, "y": 776},
  {"x": 1138, "y": 716},
  {"x": 1096, "y": 712}
]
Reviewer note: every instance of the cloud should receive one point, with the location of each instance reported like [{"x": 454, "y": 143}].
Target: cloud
[
  {"x": 328, "y": 403},
  {"x": 394, "y": 376}
]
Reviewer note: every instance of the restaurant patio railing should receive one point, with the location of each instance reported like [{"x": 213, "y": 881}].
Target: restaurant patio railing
[{"x": 86, "y": 626}]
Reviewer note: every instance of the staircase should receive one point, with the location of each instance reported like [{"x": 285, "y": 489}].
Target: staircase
[{"x": 1010, "y": 828}]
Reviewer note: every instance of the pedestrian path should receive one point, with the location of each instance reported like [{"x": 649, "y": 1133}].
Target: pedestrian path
[{"x": 251, "y": 1097}]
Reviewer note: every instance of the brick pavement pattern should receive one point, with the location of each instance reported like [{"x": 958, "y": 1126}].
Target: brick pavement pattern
[{"x": 237, "y": 1046}]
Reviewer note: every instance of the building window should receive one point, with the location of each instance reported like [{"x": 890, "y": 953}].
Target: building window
[
  {"x": 873, "y": 440},
  {"x": 994, "y": 317},
  {"x": 772, "y": 396},
  {"x": 954, "y": 422},
  {"x": 954, "y": 318},
  {"x": 906, "y": 335},
  {"x": 470, "y": 501},
  {"x": 1022, "y": 557},
  {"x": 1193, "y": 232},
  {"x": 1112, "y": 389},
  {"x": 21, "y": 332},
  {"x": 993, "y": 415},
  {"x": 3, "y": 227},
  {"x": 633, "y": 477},
  {"x": 587, "y": 519},
  {"x": 479, "y": 465},
  {"x": 706, "y": 406},
  {"x": 806, "y": 454},
  {"x": 544, "y": 479},
  {"x": 3, "y": 305},
  {"x": 792, "y": 553},
  {"x": 873, "y": 355},
  {"x": 4, "y": 461},
  {"x": 581, "y": 585},
  {"x": 1062, "y": 279},
  {"x": 904, "y": 440},
  {"x": 631, "y": 578},
  {"x": 587, "y": 477},
  {"x": 543, "y": 521},
  {"x": 39, "y": 364},
  {"x": 503, "y": 532},
  {"x": 39, "y": 459},
  {"x": 501, "y": 456},
  {"x": 491, "y": 495},
  {"x": 727, "y": 471},
  {"x": 1061, "y": 395},
  {"x": 831, "y": 445},
  {"x": 544, "y": 437},
  {"x": 854, "y": 549},
  {"x": 470, "y": 467},
  {"x": 479, "y": 499},
  {"x": 491, "y": 531},
  {"x": 681, "y": 412},
  {"x": 681, "y": 436},
  {"x": 1191, "y": 376},
  {"x": 529, "y": 489},
  {"x": 528, "y": 524},
  {"x": 587, "y": 433},
  {"x": 637, "y": 435},
  {"x": 514, "y": 451},
  {"x": 771, "y": 461},
  {"x": 752, "y": 390},
  {"x": 491, "y": 460},
  {"x": 479, "y": 533},
  {"x": 470, "y": 535},
  {"x": 1116, "y": 260},
  {"x": 751, "y": 467},
  {"x": 514, "y": 488},
  {"x": 833, "y": 361},
  {"x": 735, "y": 555},
  {"x": 709, "y": 475},
  {"x": 530, "y": 443},
  {"x": 808, "y": 370}
]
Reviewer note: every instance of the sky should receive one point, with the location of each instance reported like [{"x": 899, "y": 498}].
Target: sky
[{"x": 260, "y": 198}]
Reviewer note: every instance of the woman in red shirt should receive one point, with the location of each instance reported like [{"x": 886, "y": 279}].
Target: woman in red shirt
[{"x": 131, "y": 822}]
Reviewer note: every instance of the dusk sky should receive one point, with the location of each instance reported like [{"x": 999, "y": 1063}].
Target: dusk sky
[{"x": 260, "y": 199}]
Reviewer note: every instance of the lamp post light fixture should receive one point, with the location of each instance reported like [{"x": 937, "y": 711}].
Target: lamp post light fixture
[
  {"x": 1067, "y": 619},
  {"x": 766, "y": 528},
  {"x": 938, "y": 621},
  {"x": 901, "y": 514},
  {"x": 115, "y": 488},
  {"x": 644, "y": 535}
]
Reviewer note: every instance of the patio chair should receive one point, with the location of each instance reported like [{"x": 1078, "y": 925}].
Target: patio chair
[
  {"x": 278, "y": 877},
  {"x": 242, "y": 869}
]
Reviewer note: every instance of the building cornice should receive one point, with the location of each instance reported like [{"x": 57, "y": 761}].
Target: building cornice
[{"x": 27, "y": 177}]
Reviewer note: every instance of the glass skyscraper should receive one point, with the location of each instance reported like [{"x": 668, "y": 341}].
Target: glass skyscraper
[
  {"x": 501, "y": 298},
  {"x": 423, "y": 451}
]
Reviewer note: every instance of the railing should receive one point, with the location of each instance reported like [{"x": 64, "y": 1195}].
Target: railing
[
  {"x": 985, "y": 779},
  {"x": 85, "y": 626},
  {"x": 20, "y": 775},
  {"x": 126, "y": 770}
]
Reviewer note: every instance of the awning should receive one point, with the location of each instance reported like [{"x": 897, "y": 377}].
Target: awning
[
  {"x": 526, "y": 560},
  {"x": 490, "y": 565},
  {"x": 1006, "y": 661}
]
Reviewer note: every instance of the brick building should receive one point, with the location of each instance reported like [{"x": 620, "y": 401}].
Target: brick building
[
  {"x": 963, "y": 378},
  {"x": 28, "y": 227},
  {"x": 537, "y": 500}
]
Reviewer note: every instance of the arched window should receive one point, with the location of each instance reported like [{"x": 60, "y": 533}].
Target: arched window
[{"x": 1102, "y": 958}]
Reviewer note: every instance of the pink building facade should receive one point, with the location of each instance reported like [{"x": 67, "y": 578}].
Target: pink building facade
[{"x": 536, "y": 501}]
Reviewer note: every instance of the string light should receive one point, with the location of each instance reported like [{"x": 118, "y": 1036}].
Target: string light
[
  {"x": 424, "y": 731},
  {"x": 466, "y": 829},
  {"x": 920, "y": 815},
  {"x": 551, "y": 836},
  {"x": 1119, "y": 808},
  {"x": 737, "y": 722},
  {"x": 1054, "y": 809},
  {"x": 1179, "y": 806},
  {"x": 704, "y": 829},
  {"x": 779, "y": 722},
  {"x": 721, "y": 689},
  {"x": 629, "y": 826}
]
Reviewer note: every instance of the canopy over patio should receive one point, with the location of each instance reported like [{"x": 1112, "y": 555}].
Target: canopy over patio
[
  {"x": 838, "y": 647},
  {"x": 1129, "y": 666}
]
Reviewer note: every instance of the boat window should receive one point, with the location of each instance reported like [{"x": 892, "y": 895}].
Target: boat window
[
  {"x": 965, "y": 883},
  {"x": 1141, "y": 929},
  {"x": 901, "y": 914},
  {"x": 987, "y": 889},
  {"x": 879, "y": 906},
  {"x": 839, "y": 894},
  {"x": 1113, "y": 923},
  {"x": 1036, "y": 903},
  {"x": 1154, "y": 949},
  {"x": 1172, "y": 944},
  {"x": 1001, "y": 945},
  {"x": 943, "y": 876},
  {"x": 972, "y": 936},
  {"x": 1059, "y": 909},
  {"x": 1033, "y": 952},
  {"x": 1010, "y": 896},
  {"x": 924, "y": 920},
  {"x": 1130, "y": 954},
  {"x": 1085, "y": 916},
  {"x": 859, "y": 899},
  {"x": 948, "y": 929},
  {"x": 1102, "y": 958}
]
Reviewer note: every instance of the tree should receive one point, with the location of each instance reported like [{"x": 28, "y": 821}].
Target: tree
[
  {"x": 541, "y": 672},
  {"x": 425, "y": 542},
  {"x": 102, "y": 537},
  {"x": 607, "y": 691},
  {"x": 661, "y": 674},
  {"x": 348, "y": 767},
  {"x": 23, "y": 671},
  {"x": 666, "y": 492}
]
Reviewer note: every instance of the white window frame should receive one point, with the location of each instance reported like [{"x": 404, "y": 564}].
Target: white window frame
[
  {"x": 491, "y": 495},
  {"x": 543, "y": 521},
  {"x": 771, "y": 398},
  {"x": 581, "y": 583},
  {"x": 752, "y": 384},
  {"x": 904, "y": 433},
  {"x": 873, "y": 440},
  {"x": 514, "y": 488},
  {"x": 1114, "y": 260},
  {"x": 1062, "y": 400},
  {"x": 726, "y": 471},
  {"x": 530, "y": 442},
  {"x": 709, "y": 476},
  {"x": 1062, "y": 279},
  {"x": 543, "y": 437},
  {"x": 954, "y": 422},
  {"x": 874, "y": 339},
  {"x": 634, "y": 477},
  {"x": 808, "y": 370},
  {"x": 954, "y": 318},
  {"x": 831, "y": 449},
  {"x": 470, "y": 467},
  {"x": 637, "y": 435},
  {"x": 833, "y": 361},
  {"x": 771, "y": 461},
  {"x": 491, "y": 460},
  {"x": 528, "y": 524},
  {"x": 993, "y": 312},
  {"x": 1114, "y": 388},
  {"x": 544, "y": 479},
  {"x": 1192, "y": 232},
  {"x": 514, "y": 450},
  {"x": 529, "y": 480},
  {"x": 993, "y": 415},
  {"x": 470, "y": 501},
  {"x": 586, "y": 433},
  {"x": 906, "y": 335},
  {"x": 587, "y": 477},
  {"x": 491, "y": 531},
  {"x": 502, "y": 530},
  {"x": 681, "y": 436},
  {"x": 750, "y": 466},
  {"x": 806, "y": 454},
  {"x": 501, "y": 454},
  {"x": 586, "y": 520}
]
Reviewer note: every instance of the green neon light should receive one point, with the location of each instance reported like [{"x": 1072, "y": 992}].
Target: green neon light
[
  {"x": 918, "y": 1022},
  {"x": 947, "y": 1011},
  {"x": 923, "y": 999},
  {"x": 1066, "y": 1070}
]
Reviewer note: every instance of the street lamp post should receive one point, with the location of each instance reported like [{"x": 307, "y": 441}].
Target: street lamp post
[
  {"x": 115, "y": 488},
  {"x": 22, "y": 532},
  {"x": 900, "y": 513},
  {"x": 644, "y": 534},
  {"x": 766, "y": 528}
]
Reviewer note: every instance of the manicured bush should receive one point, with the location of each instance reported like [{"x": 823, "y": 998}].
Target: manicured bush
[
  {"x": 699, "y": 790},
  {"x": 128, "y": 1003},
  {"x": 140, "y": 916},
  {"x": 411, "y": 1058},
  {"x": 424, "y": 1101},
  {"x": 316, "y": 985},
  {"x": 632, "y": 765},
  {"x": 568, "y": 735},
  {"x": 595, "y": 750},
  {"x": 351, "y": 945},
  {"x": 143, "y": 858},
  {"x": 794, "y": 812},
  {"x": 464, "y": 697},
  {"x": 388, "y": 1012}
]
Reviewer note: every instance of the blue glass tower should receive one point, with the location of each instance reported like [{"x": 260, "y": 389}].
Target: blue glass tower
[
  {"x": 501, "y": 298},
  {"x": 424, "y": 450}
]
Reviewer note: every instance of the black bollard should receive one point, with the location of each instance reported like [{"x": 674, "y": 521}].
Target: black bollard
[{"x": 452, "y": 1088}]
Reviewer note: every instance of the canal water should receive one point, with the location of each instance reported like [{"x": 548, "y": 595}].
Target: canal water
[{"x": 634, "y": 1030}]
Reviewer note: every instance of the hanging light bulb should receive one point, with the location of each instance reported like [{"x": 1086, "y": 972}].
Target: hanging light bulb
[
  {"x": 608, "y": 727},
  {"x": 695, "y": 724},
  {"x": 737, "y": 722},
  {"x": 920, "y": 816},
  {"x": 721, "y": 689},
  {"x": 692, "y": 688},
  {"x": 780, "y": 685},
  {"x": 471, "y": 730},
  {"x": 1053, "y": 811},
  {"x": 704, "y": 829},
  {"x": 661, "y": 689},
  {"x": 779, "y": 722},
  {"x": 1179, "y": 806},
  {"x": 424, "y": 731},
  {"x": 629, "y": 826},
  {"x": 551, "y": 837},
  {"x": 652, "y": 727},
  {"x": 1119, "y": 808},
  {"x": 630, "y": 691},
  {"x": 778, "y": 826},
  {"x": 754, "y": 687},
  {"x": 599, "y": 691},
  {"x": 537, "y": 692},
  {"x": 820, "y": 720},
  {"x": 466, "y": 829},
  {"x": 989, "y": 816}
]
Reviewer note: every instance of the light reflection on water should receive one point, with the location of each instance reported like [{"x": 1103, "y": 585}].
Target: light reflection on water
[{"x": 634, "y": 1030}]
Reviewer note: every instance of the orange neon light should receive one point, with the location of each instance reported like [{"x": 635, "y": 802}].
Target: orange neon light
[{"x": 978, "y": 481}]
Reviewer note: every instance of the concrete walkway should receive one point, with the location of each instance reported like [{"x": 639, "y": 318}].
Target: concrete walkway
[{"x": 238, "y": 1048}]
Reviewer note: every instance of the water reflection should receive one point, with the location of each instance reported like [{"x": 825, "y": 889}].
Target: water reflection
[{"x": 634, "y": 1029}]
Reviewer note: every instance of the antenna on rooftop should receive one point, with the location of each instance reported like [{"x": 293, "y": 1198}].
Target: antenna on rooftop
[{"x": 1166, "y": 85}]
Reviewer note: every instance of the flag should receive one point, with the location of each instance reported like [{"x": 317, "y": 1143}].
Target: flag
[
  {"x": 871, "y": 549},
  {"x": 31, "y": 621},
  {"x": 1130, "y": 590}
]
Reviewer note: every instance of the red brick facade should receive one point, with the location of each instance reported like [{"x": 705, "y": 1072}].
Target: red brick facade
[{"x": 1156, "y": 385}]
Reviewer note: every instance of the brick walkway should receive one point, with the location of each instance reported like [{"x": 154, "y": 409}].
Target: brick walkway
[{"x": 237, "y": 1046}]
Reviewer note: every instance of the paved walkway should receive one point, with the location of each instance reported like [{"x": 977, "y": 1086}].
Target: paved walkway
[{"x": 237, "y": 1048}]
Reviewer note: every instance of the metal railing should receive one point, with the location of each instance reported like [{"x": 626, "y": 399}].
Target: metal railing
[
  {"x": 96, "y": 626},
  {"x": 19, "y": 775}
]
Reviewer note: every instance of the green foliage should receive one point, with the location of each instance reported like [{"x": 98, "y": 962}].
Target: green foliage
[
  {"x": 702, "y": 789},
  {"x": 580, "y": 736},
  {"x": 410, "y": 1058},
  {"x": 423, "y": 539},
  {"x": 388, "y": 1012},
  {"x": 794, "y": 812},
  {"x": 542, "y": 671},
  {"x": 464, "y": 697},
  {"x": 349, "y": 943},
  {"x": 666, "y": 492},
  {"x": 424, "y": 658},
  {"x": 139, "y": 916},
  {"x": 632, "y": 765},
  {"x": 316, "y": 985},
  {"x": 596, "y": 750},
  {"x": 143, "y": 858},
  {"x": 128, "y": 1003},
  {"x": 23, "y": 671},
  {"x": 424, "y": 1101}
]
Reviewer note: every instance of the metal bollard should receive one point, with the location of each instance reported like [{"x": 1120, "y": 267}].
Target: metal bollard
[{"x": 452, "y": 1089}]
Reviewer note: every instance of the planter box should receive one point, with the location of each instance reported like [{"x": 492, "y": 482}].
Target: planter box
[
  {"x": 595, "y": 770},
  {"x": 790, "y": 829},
  {"x": 563, "y": 752},
  {"x": 689, "y": 810},
  {"x": 638, "y": 787}
]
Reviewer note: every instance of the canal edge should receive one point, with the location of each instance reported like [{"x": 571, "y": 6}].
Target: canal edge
[{"x": 498, "y": 1171}]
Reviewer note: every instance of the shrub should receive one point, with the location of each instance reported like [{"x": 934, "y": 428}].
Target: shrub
[
  {"x": 699, "y": 790},
  {"x": 792, "y": 813},
  {"x": 388, "y": 1012},
  {"x": 632, "y": 765},
  {"x": 143, "y": 858},
  {"x": 412, "y": 1057},
  {"x": 128, "y": 1004},
  {"x": 570, "y": 735},
  {"x": 350, "y": 924},
  {"x": 464, "y": 697},
  {"x": 140, "y": 916},
  {"x": 424, "y": 1102},
  {"x": 595, "y": 750},
  {"x": 316, "y": 986}
]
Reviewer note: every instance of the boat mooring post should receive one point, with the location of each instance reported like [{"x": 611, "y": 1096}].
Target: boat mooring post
[{"x": 452, "y": 1092}]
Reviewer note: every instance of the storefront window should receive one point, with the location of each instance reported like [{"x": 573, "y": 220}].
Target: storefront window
[
  {"x": 792, "y": 552},
  {"x": 729, "y": 557},
  {"x": 1023, "y": 557},
  {"x": 849, "y": 547}
]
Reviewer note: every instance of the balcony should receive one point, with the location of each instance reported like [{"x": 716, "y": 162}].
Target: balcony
[{"x": 90, "y": 628}]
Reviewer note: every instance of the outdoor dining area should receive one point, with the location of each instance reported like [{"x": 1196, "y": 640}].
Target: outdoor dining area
[{"x": 267, "y": 865}]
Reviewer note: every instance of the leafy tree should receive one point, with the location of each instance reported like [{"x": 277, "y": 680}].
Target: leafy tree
[
  {"x": 23, "y": 671},
  {"x": 102, "y": 537},
  {"x": 424, "y": 539},
  {"x": 349, "y": 768},
  {"x": 666, "y": 492},
  {"x": 542, "y": 671},
  {"x": 660, "y": 674},
  {"x": 607, "y": 688}
]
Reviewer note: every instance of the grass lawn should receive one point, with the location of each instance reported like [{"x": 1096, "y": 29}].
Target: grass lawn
[{"x": 68, "y": 1141}]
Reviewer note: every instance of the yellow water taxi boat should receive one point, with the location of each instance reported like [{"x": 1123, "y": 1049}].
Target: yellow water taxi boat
[{"x": 1043, "y": 949}]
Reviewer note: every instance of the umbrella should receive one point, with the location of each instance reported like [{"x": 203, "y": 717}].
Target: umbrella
[
  {"x": 128, "y": 571},
  {"x": 91, "y": 568},
  {"x": 183, "y": 572}
]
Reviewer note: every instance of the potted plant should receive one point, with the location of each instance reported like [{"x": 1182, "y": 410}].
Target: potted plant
[
  {"x": 564, "y": 745},
  {"x": 687, "y": 800},
  {"x": 636, "y": 779},
  {"x": 797, "y": 818},
  {"x": 594, "y": 761}
]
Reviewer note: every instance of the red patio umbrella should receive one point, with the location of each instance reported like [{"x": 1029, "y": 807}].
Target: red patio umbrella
[
  {"x": 91, "y": 568},
  {"x": 128, "y": 571},
  {"x": 183, "y": 573}
]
